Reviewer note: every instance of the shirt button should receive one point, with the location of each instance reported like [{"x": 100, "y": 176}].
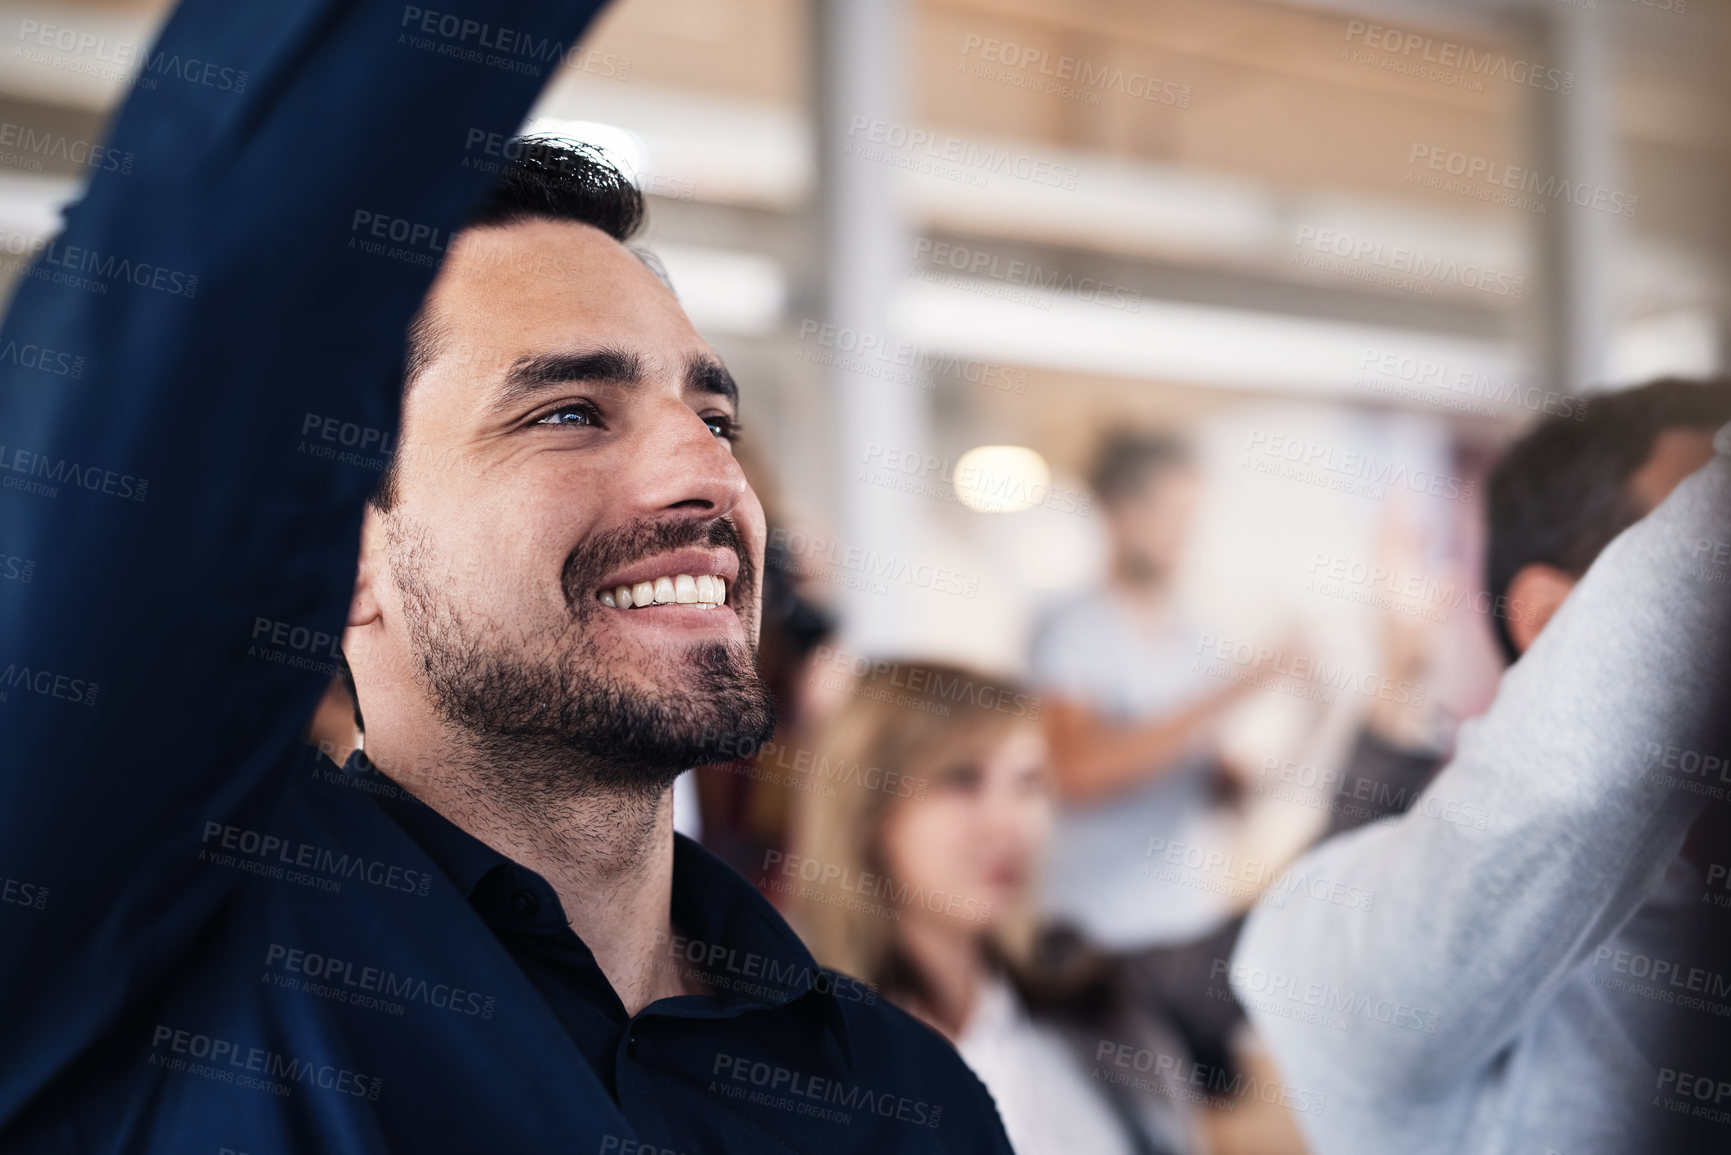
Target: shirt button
[
  {"x": 524, "y": 904},
  {"x": 631, "y": 1044}
]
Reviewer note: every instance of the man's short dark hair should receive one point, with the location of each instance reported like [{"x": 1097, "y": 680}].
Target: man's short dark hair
[
  {"x": 1561, "y": 493},
  {"x": 1126, "y": 461},
  {"x": 547, "y": 178},
  {"x": 562, "y": 180}
]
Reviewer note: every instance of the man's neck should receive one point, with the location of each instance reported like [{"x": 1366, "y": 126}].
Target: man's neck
[
  {"x": 607, "y": 854},
  {"x": 1146, "y": 595}
]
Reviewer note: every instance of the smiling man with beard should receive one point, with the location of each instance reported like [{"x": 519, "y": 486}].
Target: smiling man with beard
[
  {"x": 604, "y": 641},
  {"x": 482, "y": 933}
]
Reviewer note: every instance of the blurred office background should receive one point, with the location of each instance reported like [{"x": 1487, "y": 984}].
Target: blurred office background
[
  {"x": 946, "y": 245},
  {"x": 1213, "y": 202}
]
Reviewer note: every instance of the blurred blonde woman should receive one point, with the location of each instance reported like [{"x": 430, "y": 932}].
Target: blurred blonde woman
[{"x": 912, "y": 866}]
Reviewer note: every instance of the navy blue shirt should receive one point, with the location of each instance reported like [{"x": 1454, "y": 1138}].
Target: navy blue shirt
[{"x": 211, "y": 937}]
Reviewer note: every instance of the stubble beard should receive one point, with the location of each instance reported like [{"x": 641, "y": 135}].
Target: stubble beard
[{"x": 544, "y": 725}]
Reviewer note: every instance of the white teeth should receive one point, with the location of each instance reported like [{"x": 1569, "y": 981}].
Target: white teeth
[{"x": 704, "y": 590}]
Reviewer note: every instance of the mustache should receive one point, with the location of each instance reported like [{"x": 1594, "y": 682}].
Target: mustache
[{"x": 608, "y": 550}]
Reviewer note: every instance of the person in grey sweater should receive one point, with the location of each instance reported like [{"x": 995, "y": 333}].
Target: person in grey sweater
[{"x": 1545, "y": 967}]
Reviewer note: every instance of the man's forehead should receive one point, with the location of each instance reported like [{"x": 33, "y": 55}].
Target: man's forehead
[{"x": 537, "y": 275}]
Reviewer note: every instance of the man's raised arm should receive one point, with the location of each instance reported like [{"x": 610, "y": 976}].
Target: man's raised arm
[
  {"x": 1541, "y": 837},
  {"x": 233, "y": 294}
]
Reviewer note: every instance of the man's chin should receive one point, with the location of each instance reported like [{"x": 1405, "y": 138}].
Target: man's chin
[{"x": 639, "y": 729}]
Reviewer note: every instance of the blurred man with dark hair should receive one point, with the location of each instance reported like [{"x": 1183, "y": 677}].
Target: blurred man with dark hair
[
  {"x": 1565, "y": 490},
  {"x": 1545, "y": 965},
  {"x": 1130, "y": 721},
  {"x": 482, "y": 933}
]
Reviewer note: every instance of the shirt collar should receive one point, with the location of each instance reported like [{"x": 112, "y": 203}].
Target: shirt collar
[
  {"x": 465, "y": 859},
  {"x": 727, "y": 931}
]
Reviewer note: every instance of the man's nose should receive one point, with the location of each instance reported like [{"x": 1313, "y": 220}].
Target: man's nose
[{"x": 683, "y": 465}]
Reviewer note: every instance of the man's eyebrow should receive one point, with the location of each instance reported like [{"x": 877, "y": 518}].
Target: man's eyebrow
[
  {"x": 531, "y": 375},
  {"x": 707, "y": 375}
]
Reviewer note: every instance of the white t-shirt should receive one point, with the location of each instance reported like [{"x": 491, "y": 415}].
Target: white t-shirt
[
  {"x": 1101, "y": 876},
  {"x": 686, "y": 818},
  {"x": 1047, "y": 1103}
]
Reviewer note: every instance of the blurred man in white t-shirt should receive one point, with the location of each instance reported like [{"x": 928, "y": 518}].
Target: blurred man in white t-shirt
[{"x": 1131, "y": 720}]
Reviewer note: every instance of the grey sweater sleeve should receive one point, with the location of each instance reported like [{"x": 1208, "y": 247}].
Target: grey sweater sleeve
[{"x": 1544, "y": 834}]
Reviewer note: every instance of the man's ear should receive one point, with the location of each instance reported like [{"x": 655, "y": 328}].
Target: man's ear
[
  {"x": 364, "y": 605},
  {"x": 1535, "y": 594}
]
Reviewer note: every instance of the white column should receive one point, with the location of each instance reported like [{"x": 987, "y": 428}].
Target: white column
[
  {"x": 867, "y": 248},
  {"x": 1583, "y": 257}
]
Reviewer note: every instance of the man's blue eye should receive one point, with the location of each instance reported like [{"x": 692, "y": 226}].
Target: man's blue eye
[{"x": 570, "y": 415}]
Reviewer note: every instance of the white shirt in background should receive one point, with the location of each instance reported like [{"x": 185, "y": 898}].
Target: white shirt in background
[
  {"x": 1100, "y": 876},
  {"x": 1047, "y": 1103}
]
